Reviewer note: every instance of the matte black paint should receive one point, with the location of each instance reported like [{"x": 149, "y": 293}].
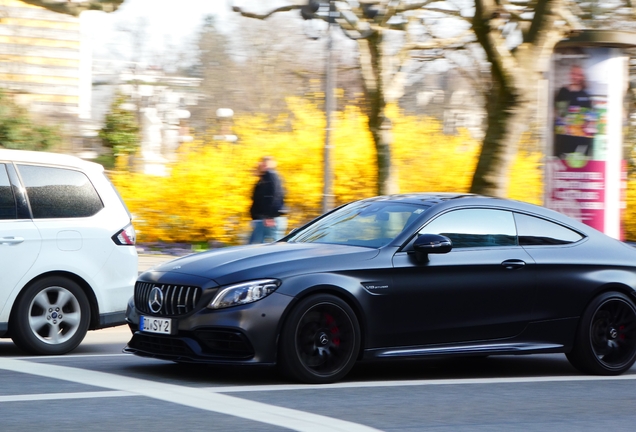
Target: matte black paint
[{"x": 500, "y": 300}]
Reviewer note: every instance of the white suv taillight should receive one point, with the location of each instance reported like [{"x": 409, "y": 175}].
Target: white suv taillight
[{"x": 126, "y": 236}]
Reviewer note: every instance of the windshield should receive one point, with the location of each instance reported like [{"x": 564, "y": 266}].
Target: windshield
[{"x": 367, "y": 223}]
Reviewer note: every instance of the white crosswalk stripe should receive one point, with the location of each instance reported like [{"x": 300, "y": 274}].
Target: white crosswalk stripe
[{"x": 189, "y": 396}]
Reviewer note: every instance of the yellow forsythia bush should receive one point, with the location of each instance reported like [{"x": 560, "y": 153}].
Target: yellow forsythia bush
[
  {"x": 207, "y": 194},
  {"x": 429, "y": 161},
  {"x": 203, "y": 197},
  {"x": 629, "y": 217}
]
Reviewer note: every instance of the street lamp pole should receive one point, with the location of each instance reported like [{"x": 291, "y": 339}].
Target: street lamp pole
[{"x": 327, "y": 194}]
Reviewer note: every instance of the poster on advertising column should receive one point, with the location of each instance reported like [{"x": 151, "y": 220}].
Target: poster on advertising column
[{"x": 584, "y": 161}]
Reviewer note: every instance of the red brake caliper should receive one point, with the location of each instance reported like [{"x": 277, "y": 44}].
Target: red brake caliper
[{"x": 334, "y": 330}]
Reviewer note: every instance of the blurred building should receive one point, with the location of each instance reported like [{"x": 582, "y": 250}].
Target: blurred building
[
  {"x": 450, "y": 98},
  {"x": 42, "y": 61},
  {"x": 47, "y": 65},
  {"x": 162, "y": 103}
]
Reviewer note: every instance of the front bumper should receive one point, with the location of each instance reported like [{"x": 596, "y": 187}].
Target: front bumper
[{"x": 246, "y": 334}]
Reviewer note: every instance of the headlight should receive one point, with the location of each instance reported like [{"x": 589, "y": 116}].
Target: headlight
[{"x": 246, "y": 292}]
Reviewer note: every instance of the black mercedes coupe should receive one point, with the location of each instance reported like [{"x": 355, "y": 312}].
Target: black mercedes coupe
[{"x": 398, "y": 277}]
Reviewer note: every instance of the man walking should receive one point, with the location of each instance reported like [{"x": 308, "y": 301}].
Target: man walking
[{"x": 268, "y": 220}]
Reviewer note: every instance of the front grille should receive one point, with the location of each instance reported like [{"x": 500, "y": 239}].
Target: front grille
[{"x": 177, "y": 300}]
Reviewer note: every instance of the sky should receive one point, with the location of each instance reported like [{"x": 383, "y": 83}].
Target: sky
[
  {"x": 169, "y": 23},
  {"x": 173, "y": 21}
]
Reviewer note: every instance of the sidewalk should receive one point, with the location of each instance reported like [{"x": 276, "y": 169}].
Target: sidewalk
[{"x": 147, "y": 261}]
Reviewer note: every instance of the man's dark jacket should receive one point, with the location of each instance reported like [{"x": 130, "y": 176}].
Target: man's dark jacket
[{"x": 267, "y": 198}]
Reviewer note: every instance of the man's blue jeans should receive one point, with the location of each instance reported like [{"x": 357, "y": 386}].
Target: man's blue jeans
[{"x": 262, "y": 234}]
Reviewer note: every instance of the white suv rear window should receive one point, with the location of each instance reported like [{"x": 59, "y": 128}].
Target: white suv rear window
[
  {"x": 7, "y": 201},
  {"x": 59, "y": 193}
]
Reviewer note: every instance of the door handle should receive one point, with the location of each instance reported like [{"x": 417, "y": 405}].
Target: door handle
[
  {"x": 513, "y": 264},
  {"x": 11, "y": 240}
]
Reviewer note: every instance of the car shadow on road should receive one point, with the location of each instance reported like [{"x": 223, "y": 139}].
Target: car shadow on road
[
  {"x": 465, "y": 368},
  {"x": 9, "y": 349},
  {"x": 204, "y": 375},
  {"x": 434, "y": 369}
]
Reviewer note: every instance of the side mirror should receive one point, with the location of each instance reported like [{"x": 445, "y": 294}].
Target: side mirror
[{"x": 431, "y": 244}]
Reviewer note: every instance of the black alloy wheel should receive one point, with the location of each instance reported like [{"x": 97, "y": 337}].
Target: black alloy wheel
[
  {"x": 320, "y": 340},
  {"x": 606, "y": 339}
]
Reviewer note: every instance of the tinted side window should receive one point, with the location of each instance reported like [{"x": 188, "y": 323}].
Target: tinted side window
[
  {"x": 59, "y": 192},
  {"x": 535, "y": 231},
  {"x": 8, "y": 209},
  {"x": 475, "y": 228}
]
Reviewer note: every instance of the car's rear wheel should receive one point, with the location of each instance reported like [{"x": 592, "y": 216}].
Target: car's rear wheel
[
  {"x": 320, "y": 340},
  {"x": 606, "y": 340},
  {"x": 51, "y": 317}
]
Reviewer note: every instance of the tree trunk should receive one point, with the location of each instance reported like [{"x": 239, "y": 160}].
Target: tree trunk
[
  {"x": 379, "y": 124},
  {"x": 515, "y": 75},
  {"x": 509, "y": 114}
]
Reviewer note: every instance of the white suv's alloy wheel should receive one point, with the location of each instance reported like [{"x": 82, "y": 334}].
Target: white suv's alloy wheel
[
  {"x": 51, "y": 317},
  {"x": 54, "y": 315}
]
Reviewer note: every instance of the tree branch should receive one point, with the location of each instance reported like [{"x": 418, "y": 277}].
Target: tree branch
[
  {"x": 446, "y": 43},
  {"x": 75, "y": 8},
  {"x": 401, "y": 8},
  {"x": 454, "y": 13},
  {"x": 570, "y": 14},
  {"x": 477, "y": 82},
  {"x": 541, "y": 9},
  {"x": 500, "y": 59},
  {"x": 413, "y": 6},
  {"x": 265, "y": 15}
]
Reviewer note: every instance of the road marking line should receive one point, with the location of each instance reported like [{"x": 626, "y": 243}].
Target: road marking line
[
  {"x": 67, "y": 356},
  {"x": 369, "y": 384},
  {"x": 285, "y": 387},
  {"x": 189, "y": 396},
  {"x": 60, "y": 396}
]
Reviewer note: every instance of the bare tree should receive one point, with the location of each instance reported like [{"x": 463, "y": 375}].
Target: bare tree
[
  {"x": 216, "y": 68},
  {"x": 273, "y": 63},
  {"x": 255, "y": 68},
  {"x": 382, "y": 58},
  {"x": 516, "y": 38}
]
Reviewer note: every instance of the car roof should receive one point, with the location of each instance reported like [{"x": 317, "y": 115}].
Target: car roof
[
  {"x": 47, "y": 158},
  {"x": 449, "y": 199},
  {"x": 424, "y": 198},
  {"x": 446, "y": 200}
]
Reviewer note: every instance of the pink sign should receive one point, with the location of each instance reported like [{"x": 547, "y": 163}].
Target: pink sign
[
  {"x": 579, "y": 192},
  {"x": 585, "y": 163}
]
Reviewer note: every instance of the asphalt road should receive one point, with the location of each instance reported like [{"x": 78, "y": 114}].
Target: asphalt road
[{"x": 98, "y": 388}]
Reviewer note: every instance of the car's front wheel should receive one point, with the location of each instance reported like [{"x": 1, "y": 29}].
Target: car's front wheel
[
  {"x": 320, "y": 340},
  {"x": 606, "y": 340},
  {"x": 51, "y": 317}
]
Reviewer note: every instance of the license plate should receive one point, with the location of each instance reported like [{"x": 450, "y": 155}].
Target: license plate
[{"x": 155, "y": 325}]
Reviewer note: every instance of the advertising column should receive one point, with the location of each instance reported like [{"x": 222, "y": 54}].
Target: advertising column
[{"x": 585, "y": 165}]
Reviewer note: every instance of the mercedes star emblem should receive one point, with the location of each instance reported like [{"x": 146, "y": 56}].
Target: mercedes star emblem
[{"x": 155, "y": 299}]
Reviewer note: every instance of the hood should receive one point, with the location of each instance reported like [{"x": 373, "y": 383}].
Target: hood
[{"x": 273, "y": 260}]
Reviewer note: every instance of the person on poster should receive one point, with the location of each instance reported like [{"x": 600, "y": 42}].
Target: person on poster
[{"x": 575, "y": 120}]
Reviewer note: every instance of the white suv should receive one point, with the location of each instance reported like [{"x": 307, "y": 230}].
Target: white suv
[{"x": 67, "y": 251}]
